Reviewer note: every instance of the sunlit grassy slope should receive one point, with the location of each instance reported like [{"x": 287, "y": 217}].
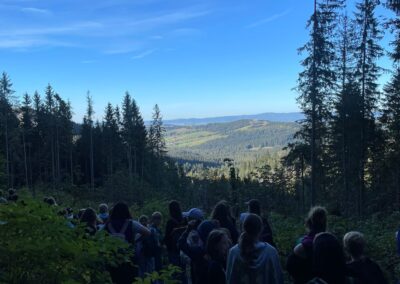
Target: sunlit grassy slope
[{"x": 240, "y": 139}]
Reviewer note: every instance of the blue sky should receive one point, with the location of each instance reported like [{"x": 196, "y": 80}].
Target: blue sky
[{"x": 194, "y": 58}]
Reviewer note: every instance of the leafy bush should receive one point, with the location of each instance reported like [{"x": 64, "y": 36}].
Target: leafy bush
[
  {"x": 37, "y": 246},
  {"x": 165, "y": 276}
]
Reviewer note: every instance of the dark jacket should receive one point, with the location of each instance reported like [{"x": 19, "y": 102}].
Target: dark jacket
[
  {"x": 197, "y": 256},
  {"x": 231, "y": 227},
  {"x": 266, "y": 234},
  {"x": 299, "y": 268},
  {"x": 366, "y": 271},
  {"x": 171, "y": 238},
  {"x": 216, "y": 273}
]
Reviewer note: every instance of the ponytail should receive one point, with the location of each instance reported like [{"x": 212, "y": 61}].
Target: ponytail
[{"x": 252, "y": 227}]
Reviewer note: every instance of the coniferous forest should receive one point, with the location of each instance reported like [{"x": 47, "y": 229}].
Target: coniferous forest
[{"x": 345, "y": 154}]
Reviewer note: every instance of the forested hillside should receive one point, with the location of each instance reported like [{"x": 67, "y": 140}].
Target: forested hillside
[{"x": 241, "y": 140}]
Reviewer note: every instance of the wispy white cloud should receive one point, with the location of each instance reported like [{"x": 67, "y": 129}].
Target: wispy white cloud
[
  {"x": 269, "y": 19},
  {"x": 73, "y": 28},
  {"x": 88, "y": 61},
  {"x": 24, "y": 43},
  {"x": 144, "y": 54},
  {"x": 185, "y": 32},
  {"x": 37, "y": 11},
  {"x": 109, "y": 34}
]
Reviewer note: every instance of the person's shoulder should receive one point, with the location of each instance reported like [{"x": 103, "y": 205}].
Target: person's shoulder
[
  {"x": 270, "y": 248},
  {"x": 235, "y": 249},
  {"x": 300, "y": 251},
  {"x": 317, "y": 281}
]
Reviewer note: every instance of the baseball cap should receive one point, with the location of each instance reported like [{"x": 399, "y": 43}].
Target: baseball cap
[{"x": 194, "y": 213}]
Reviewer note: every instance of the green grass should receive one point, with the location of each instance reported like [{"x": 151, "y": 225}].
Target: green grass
[{"x": 188, "y": 139}]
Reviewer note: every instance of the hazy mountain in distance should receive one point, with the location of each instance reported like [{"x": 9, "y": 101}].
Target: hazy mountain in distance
[{"x": 268, "y": 116}]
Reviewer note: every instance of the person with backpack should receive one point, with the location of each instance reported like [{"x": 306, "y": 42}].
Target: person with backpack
[
  {"x": 120, "y": 225},
  {"x": 196, "y": 251},
  {"x": 103, "y": 213},
  {"x": 175, "y": 226},
  {"x": 328, "y": 261},
  {"x": 89, "y": 218},
  {"x": 194, "y": 216},
  {"x": 254, "y": 206},
  {"x": 360, "y": 267},
  {"x": 222, "y": 214},
  {"x": 217, "y": 248},
  {"x": 156, "y": 220},
  {"x": 253, "y": 261},
  {"x": 299, "y": 263},
  {"x": 144, "y": 249}
]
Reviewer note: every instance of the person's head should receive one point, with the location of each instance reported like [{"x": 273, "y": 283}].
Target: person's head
[
  {"x": 252, "y": 227},
  {"x": 254, "y": 207},
  {"x": 11, "y": 191},
  {"x": 50, "y": 201},
  {"x": 80, "y": 213},
  {"x": 89, "y": 217},
  {"x": 156, "y": 219},
  {"x": 120, "y": 211},
  {"x": 69, "y": 213},
  {"x": 144, "y": 220},
  {"x": 103, "y": 208},
  {"x": 175, "y": 211},
  {"x": 316, "y": 219},
  {"x": 328, "y": 258},
  {"x": 218, "y": 244},
  {"x": 221, "y": 212},
  {"x": 194, "y": 214},
  {"x": 205, "y": 228},
  {"x": 354, "y": 243}
]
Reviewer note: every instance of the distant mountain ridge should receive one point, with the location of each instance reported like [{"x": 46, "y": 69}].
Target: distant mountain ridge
[{"x": 268, "y": 116}]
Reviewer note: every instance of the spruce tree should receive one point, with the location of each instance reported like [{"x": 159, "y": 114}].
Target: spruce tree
[
  {"x": 26, "y": 126},
  {"x": 391, "y": 107},
  {"x": 128, "y": 132},
  {"x": 89, "y": 121},
  {"x": 316, "y": 85},
  {"x": 157, "y": 133},
  {"x": 367, "y": 53},
  {"x": 7, "y": 121}
]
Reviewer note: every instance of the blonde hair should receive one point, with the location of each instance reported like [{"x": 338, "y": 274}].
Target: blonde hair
[
  {"x": 354, "y": 243},
  {"x": 316, "y": 219}
]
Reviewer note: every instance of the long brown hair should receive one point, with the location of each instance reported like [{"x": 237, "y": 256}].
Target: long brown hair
[{"x": 252, "y": 228}]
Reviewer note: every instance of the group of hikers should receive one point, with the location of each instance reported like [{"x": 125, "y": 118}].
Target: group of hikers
[{"x": 220, "y": 249}]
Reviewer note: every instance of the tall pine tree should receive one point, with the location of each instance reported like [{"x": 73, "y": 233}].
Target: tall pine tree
[
  {"x": 367, "y": 53},
  {"x": 316, "y": 85},
  {"x": 391, "y": 107}
]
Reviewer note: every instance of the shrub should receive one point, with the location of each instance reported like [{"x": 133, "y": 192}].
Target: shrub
[{"x": 37, "y": 246}]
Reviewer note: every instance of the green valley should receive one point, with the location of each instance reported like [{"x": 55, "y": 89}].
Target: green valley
[{"x": 241, "y": 140}]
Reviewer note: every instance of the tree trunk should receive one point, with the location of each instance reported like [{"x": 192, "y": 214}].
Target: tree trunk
[
  {"x": 313, "y": 115},
  {"x": 363, "y": 126},
  {"x": 53, "y": 162},
  {"x": 7, "y": 151},
  {"x": 91, "y": 159},
  {"x": 25, "y": 160},
  {"x": 71, "y": 165}
]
